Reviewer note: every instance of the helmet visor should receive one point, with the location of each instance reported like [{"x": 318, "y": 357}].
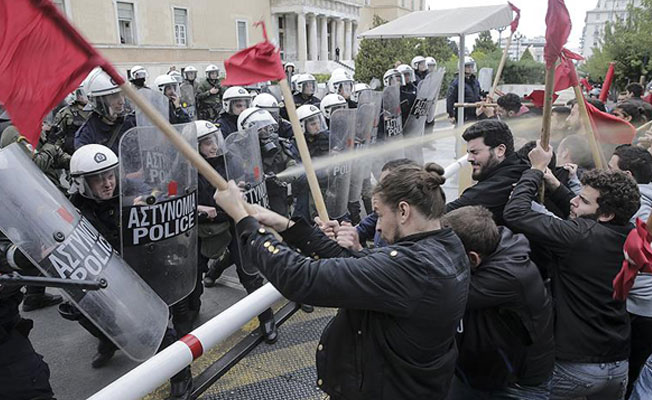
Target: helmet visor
[
  {"x": 238, "y": 105},
  {"x": 100, "y": 186},
  {"x": 190, "y": 75},
  {"x": 314, "y": 124},
  {"x": 308, "y": 87},
  {"x": 212, "y": 145},
  {"x": 140, "y": 74},
  {"x": 111, "y": 106},
  {"x": 345, "y": 89}
]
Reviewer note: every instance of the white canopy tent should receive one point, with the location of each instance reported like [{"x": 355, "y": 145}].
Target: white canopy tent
[{"x": 452, "y": 22}]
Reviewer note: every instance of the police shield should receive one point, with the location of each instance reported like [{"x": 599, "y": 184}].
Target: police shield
[
  {"x": 158, "y": 101},
  {"x": 341, "y": 140},
  {"x": 485, "y": 77},
  {"x": 158, "y": 203},
  {"x": 416, "y": 120},
  {"x": 244, "y": 165},
  {"x": 366, "y": 125},
  {"x": 188, "y": 100},
  {"x": 47, "y": 228},
  {"x": 393, "y": 126}
]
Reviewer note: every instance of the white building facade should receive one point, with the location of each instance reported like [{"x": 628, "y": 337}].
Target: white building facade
[
  {"x": 596, "y": 20},
  {"x": 521, "y": 44}
]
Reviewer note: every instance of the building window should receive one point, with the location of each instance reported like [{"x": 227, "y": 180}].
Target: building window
[
  {"x": 181, "y": 26},
  {"x": 126, "y": 22},
  {"x": 241, "y": 31}
]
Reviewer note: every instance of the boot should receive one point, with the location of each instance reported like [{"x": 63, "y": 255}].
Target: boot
[
  {"x": 269, "y": 331},
  {"x": 216, "y": 269},
  {"x": 36, "y": 301},
  {"x": 105, "y": 351},
  {"x": 181, "y": 385},
  {"x": 307, "y": 308}
]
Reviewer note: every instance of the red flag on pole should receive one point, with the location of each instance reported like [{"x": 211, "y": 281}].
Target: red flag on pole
[
  {"x": 558, "y": 27},
  {"x": 514, "y": 24},
  {"x": 586, "y": 84},
  {"x": 43, "y": 59},
  {"x": 565, "y": 74},
  {"x": 258, "y": 63},
  {"x": 609, "y": 128},
  {"x": 604, "y": 92},
  {"x": 638, "y": 257},
  {"x": 537, "y": 97}
]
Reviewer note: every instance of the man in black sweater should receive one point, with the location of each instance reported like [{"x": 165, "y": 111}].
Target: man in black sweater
[
  {"x": 591, "y": 327},
  {"x": 496, "y": 167},
  {"x": 506, "y": 348}
]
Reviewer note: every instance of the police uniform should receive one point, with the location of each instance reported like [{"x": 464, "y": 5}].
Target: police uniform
[
  {"x": 300, "y": 100},
  {"x": 209, "y": 105},
  {"x": 408, "y": 97},
  {"x": 275, "y": 161},
  {"x": 178, "y": 115},
  {"x": 96, "y": 131},
  {"x": 68, "y": 120},
  {"x": 227, "y": 123}
]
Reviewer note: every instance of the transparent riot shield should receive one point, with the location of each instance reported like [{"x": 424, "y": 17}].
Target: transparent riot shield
[
  {"x": 392, "y": 124},
  {"x": 47, "y": 228},
  {"x": 485, "y": 78},
  {"x": 158, "y": 203},
  {"x": 416, "y": 120},
  {"x": 158, "y": 100},
  {"x": 188, "y": 100},
  {"x": 433, "y": 107},
  {"x": 244, "y": 165},
  {"x": 275, "y": 91},
  {"x": 366, "y": 123},
  {"x": 341, "y": 140}
]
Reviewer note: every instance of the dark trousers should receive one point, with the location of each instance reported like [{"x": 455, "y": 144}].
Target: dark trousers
[{"x": 641, "y": 347}]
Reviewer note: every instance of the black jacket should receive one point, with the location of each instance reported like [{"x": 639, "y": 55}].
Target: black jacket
[
  {"x": 103, "y": 215},
  {"x": 493, "y": 191},
  {"x": 205, "y": 190},
  {"x": 471, "y": 95},
  {"x": 590, "y": 326},
  {"x": 228, "y": 123},
  {"x": 394, "y": 335},
  {"x": 508, "y": 324},
  {"x": 96, "y": 131}
]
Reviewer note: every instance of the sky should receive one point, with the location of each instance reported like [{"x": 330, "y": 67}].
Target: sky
[{"x": 533, "y": 14}]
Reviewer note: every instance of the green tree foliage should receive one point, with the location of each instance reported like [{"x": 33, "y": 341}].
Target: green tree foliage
[
  {"x": 527, "y": 56},
  {"x": 629, "y": 44},
  {"x": 484, "y": 43}
]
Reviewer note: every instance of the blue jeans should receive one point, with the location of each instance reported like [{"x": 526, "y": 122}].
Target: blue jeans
[
  {"x": 595, "y": 381},
  {"x": 643, "y": 386},
  {"x": 461, "y": 391}
]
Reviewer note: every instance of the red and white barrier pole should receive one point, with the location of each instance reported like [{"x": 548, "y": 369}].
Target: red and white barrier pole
[{"x": 149, "y": 375}]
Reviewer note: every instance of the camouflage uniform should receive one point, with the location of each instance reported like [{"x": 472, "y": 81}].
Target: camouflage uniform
[
  {"x": 209, "y": 105},
  {"x": 69, "y": 119}
]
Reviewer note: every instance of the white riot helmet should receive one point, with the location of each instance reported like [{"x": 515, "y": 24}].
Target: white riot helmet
[
  {"x": 212, "y": 68},
  {"x": 311, "y": 119},
  {"x": 94, "y": 172},
  {"x": 418, "y": 63},
  {"x": 106, "y": 96},
  {"x": 290, "y": 64},
  {"x": 233, "y": 95},
  {"x": 210, "y": 139},
  {"x": 357, "y": 89},
  {"x": 306, "y": 84},
  {"x": 407, "y": 72},
  {"x": 165, "y": 83},
  {"x": 265, "y": 125},
  {"x": 340, "y": 83},
  {"x": 330, "y": 103},
  {"x": 190, "y": 73},
  {"x": 268, "y": 102},
  {"x": 77, "y": 96},
  {"x": 293, "y": 83},
  {"x": 393, "y": 77},
  {"x": 470, "y": 62},
  {"x": 138, "y": 72},
  {"x": 176, "y": 75},
  {"x": 431, "y": 63}
]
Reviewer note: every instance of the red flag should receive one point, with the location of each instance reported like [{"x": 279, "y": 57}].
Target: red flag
[
  {"x": 258, "y": 63},
  {"x": 514, "y": 24},
  {"x": 565, "y": 74},
  {"x": 607, "y": 83},
  {"x": 609, "y": 128},
  {"x": 43, "y": 59},
  {"x": 586, "y": 84},
  {"x": 537, "y": 97},
  {"x": 558, "y": 27},
  {"x": 638, "y": 257}
]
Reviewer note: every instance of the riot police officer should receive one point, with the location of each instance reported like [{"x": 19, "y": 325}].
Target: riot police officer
[
  {"x": 109, "y": 120},
  {"x": 138, "y": 76},
  {"x": 190, "y": 77},
  {"x": 330, "y": 103},
  {"x": 209, "y": 95},
  {"x": 277, "y": 154},
  {"x": 236, "y": 99},
  {"x": 94, "y": 174},
  {"x": 268, "y": 102},
  {"x": 169, "y": 86},
  {"x": 306, "y": 87},
  {"x": 408, "y": 91},
  {"x": 70, "y": 118},
  {"x": 420, "y": 68},
  {"x": 212, "y": 149},
  {"x": 341, "y": 83}
]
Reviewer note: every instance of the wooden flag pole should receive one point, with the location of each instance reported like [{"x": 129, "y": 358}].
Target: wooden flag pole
[
  {"x": 499, "y": 71},
  {"x": 598, "y": 157},
  {"x": 547, "y": 108},
  {"x": 303, "y": 151},
  {"x": 177, "y": 140}
]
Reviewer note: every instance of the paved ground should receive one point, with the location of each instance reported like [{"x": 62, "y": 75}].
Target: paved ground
[{"x": 68, "y": 349}]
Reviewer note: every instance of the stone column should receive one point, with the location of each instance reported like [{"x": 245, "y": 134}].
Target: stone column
[
  {"x": 347, "y": 39},
  {"x": 302, "y": 49},
  {"x": 312, "y": 37},
  {"x": 333, "y": 37},
  {"x": 356, "y": 42},
  {"x": 323, "y": 43},
  {"x": 340, "y": 38},
  {"x": 274, "y": 29}
]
